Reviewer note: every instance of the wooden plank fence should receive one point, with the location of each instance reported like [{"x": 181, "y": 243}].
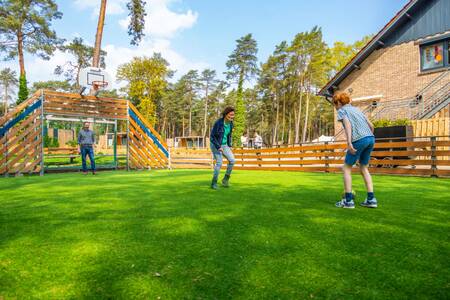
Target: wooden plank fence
[
  {"x": 431, "y": 127},
  {"x": 425, "y": 156}
]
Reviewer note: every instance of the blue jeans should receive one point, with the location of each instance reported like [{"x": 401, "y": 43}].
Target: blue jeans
[
  {"x": 364, "y": 147},
  {"x": 87, "y": 150},
  {"x": 218, "y": 157}
]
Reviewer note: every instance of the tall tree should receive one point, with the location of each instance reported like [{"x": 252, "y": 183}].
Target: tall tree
[
  {"x": 83, "y": 55},
  {"x": 209, "y": 81},
  {"x": 190, "y": 85},
  {"x": 135, "y": 28},
  {"x": 242, "y": 66},
  {"x": 8, "y": 79},
  {"x": 25, "y": 26},
  {"x": 146, "y": 82},
  {"x": 341, "y": 53}
]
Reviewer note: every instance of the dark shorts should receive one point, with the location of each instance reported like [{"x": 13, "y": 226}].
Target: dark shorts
[{"x": 363, "y": 148}]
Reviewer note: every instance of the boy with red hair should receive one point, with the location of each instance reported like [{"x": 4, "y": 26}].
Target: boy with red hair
[{"x": 360, "y": 143}]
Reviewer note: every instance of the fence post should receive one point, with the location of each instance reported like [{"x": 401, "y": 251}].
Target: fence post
[
  {"x": 279, "y": 154},
  {"x": 6, "y": 155},
  {"x": 433, "y": 156},
  {"x": 41, "y": 173},
  {"x": 327, "y": 165},
  {"x": 128, "y": 135}
]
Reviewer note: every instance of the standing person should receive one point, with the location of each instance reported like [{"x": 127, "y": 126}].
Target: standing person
[
  {"x": 244, "y": 140},
  {"x": 221, "y": 145},
  {"x": 258, "y": 141},
  {"x": 360, "y": 143},
  {"x": 86, "y": 141}
]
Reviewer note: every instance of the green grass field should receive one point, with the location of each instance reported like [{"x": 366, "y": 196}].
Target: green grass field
[{"x": 272, "y": 235}]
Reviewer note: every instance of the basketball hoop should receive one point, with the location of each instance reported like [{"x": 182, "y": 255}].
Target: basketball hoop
[{"x": 99, "y": 84}]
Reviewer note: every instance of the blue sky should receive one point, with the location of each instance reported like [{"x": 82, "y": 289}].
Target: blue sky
[{"x": 202, "y": 33}]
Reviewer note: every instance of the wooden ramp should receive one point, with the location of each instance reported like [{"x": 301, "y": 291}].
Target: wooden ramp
[{"x": 22, "y": 131}]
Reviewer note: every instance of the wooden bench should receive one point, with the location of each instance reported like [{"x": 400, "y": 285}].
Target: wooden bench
[{"x": 70, "y": 153}]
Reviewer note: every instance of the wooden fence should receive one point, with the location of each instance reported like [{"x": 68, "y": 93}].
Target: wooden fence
[
  {"x": 431, "y": 127},
  {"x": 424, "y": 156}
]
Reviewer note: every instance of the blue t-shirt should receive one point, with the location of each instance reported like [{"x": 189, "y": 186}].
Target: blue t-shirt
[{"x": 360, "y": 126}]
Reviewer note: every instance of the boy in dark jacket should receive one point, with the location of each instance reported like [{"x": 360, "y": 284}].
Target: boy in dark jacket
[{"x": 220, "y": 139}]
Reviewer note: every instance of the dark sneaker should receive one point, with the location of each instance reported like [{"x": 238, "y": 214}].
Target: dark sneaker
[
  {"x": 214, "y": 184},
  {"x": 370, "y": 203},
  {"x": 226, "y": 181},
  {"x": 345, "y": 204}
]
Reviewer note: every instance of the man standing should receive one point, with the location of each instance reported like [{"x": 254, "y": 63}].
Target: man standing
[
  {"x": 258, "y": 141},
  {"x": 86, "y": 141}
]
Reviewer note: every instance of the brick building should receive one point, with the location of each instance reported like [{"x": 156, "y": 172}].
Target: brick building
[{"x": 404, "y": 71}]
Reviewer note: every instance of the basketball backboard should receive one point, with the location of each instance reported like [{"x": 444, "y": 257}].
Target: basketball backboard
[{"x": 91, "y": 76}]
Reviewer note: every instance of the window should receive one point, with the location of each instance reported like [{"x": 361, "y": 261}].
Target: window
[{"x": 434, "y": 56}]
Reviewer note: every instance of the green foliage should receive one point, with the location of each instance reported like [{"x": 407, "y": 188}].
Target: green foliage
[
  {"x": 27, "y": 24},
  {"x": 137, "y": 20},
  {"x": 23, "y": 90},
  {"x": 114, "y": 93},
  {"x": 72, "y": 143},
  {"x": 54, "y": 85},
  {"x": 242, "y": 63},
  {"x": 50, "y": 142},
  {"x": 341, "y": 53},
  {"x": 273, "y": 235},
  {"x": 146, "y": 82},
  {"x": 388, "y": 123},
  {"x": 239, "y": 118}
]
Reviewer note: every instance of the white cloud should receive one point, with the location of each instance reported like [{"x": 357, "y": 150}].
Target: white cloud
[
  {"x": 161, "y": 22},
  {"x": 113, "y": 7},
  {"x": 120, "y": 55}
]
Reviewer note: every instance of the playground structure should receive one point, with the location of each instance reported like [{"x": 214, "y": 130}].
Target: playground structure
[{"x": 22, "y": 130}]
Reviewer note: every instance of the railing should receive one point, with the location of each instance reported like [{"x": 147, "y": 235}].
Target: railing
[
  {"x": 427, "y": 102},
  {"x": 417, "y": 156}
]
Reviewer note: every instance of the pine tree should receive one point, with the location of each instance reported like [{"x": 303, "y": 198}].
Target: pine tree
[
  {"x": 242, "y": 66},
  {"x": 23, "y": 90}
]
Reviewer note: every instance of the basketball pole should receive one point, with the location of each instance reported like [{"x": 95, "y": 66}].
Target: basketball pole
[{"x": 98, "y": 38}]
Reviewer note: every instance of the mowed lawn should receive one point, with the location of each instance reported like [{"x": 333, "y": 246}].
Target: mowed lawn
[{"x": 272, "y": 235}]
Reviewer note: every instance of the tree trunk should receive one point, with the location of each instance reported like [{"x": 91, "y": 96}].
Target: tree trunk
[
  {"x": 289, "y": 128},
  {"x": 284, "y": 119},
  {"x": 205, "y": 124},
  {"x": 6, "y": 99},
  {"x": 182, "y": 128},
  {"x": 190, "y": 117},
  {"x": 99, "y": 34},
  {"x": 297, "y": 121},
  {"x": 78, "y": 76},
  {"x": 275, "y": 129},
  {"x": 305, "y": 126},
  {"x": 20, "y": 52}
]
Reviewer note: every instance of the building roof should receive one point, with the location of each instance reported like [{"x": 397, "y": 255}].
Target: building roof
[{"x": 375, "y": 43}]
